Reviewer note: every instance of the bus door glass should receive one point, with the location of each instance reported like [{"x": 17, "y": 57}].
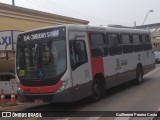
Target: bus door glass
[{"x": 79, "y": 61}]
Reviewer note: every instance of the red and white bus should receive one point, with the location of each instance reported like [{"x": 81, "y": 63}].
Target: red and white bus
[{"x": 66, "y": 63}]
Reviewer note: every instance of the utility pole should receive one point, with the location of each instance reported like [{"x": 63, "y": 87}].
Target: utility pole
[
  {"x": 135, "y": 24},
  {"x": 13, "y": 3}
]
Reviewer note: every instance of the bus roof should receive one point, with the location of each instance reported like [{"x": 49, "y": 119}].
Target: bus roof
[{"x": 92, "y": 28}]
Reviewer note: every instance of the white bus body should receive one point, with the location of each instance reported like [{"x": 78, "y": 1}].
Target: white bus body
[{"x": 87, "y": 61}]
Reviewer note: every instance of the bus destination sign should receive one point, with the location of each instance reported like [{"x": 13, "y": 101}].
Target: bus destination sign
[{"x": 50, "y": 34}]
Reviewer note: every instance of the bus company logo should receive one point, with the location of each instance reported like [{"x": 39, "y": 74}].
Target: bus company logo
[
  {"x": 6, "y": 114},
  {"x": 118, "y": 66}
]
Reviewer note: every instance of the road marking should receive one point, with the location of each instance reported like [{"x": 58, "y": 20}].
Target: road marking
[
  {"x": 80, "y": 118},
  {"x": 62, "y": 118},
  {"x": 31, "y": 118},
  {"x": 16, "y": 106},
  {"x": 122, "y": 118},
  {"x": 155, "y": 70},
  {"x": 93, "y": 118}
]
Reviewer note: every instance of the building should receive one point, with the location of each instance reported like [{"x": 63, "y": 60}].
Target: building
[
  {"x": 22, "y": 19},
  {"x": 155, "y": 32}
]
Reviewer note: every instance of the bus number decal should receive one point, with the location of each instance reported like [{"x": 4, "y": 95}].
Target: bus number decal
[
  {"x": 118, "y": 66},
  {"x": 124, "y": 62},
  {"x": 22, "y": 73},
  {"x": 87, "y": 74}
]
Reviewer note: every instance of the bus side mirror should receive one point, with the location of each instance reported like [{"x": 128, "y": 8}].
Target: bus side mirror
[{"x": 71, "y": 50}]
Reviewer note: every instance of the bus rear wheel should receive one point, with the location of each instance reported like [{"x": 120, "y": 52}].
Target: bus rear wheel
[
  {"x": 96, "y": 90},
  {"x": 139, "y": 75}
]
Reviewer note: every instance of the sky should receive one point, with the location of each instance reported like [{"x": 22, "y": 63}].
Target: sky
[{"x": 99, "y": 12}]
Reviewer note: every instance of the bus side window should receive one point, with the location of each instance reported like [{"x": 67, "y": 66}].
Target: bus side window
[
  {"x": 137, "y": 43},
  {"x": 113, "y": 44},
  {"x": 127, "y": 45},
  {"x": 78, "y": 53},
  {"x": 146, "y": 42},
  {"x": 98, "y": 46}
]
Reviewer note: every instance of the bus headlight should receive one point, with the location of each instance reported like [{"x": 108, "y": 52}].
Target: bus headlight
[
  {"x": 19, "y": 89},
  {"x": 63, "y": 86}
]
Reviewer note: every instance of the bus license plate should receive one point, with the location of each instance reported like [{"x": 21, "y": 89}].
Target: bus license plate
[{"x": 38, "y": 101}]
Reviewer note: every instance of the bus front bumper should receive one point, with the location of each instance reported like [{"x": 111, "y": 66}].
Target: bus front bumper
[{"x": 63, "y": 96}]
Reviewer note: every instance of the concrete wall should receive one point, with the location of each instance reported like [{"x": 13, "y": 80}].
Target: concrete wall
[{"x": 17, "y": 18}]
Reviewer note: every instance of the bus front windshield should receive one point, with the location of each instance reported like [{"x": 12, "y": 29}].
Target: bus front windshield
[{"x": 45, "y": 59}]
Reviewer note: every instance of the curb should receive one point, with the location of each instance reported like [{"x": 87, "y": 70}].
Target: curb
[{"x": 9, "y": 105}]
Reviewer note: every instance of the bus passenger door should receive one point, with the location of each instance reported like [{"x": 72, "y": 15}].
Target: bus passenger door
[{"x": 80, "y": 65}]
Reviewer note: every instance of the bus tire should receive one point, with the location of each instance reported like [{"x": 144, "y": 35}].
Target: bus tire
[
  {"x": 96, "y": 90},
  {"x": 139, "y": 75}
]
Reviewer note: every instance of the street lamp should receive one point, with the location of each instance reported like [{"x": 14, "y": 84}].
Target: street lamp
[{"x": 147, "y": 16}]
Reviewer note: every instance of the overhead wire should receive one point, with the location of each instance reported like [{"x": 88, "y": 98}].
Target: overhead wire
[
  {"x": 76, "y": 12},
  {"x": 73, "y": 11},
  {"x": 45, "y": 5},
  {"x": 36, "y": 4},
  {"x": 46, "y": 8},
  {"x": 53, "y": 7}
]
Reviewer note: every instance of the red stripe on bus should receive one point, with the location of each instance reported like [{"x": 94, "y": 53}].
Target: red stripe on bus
[
  {"x": 97, "y": 65},
  {"x": 41, "y": 89}
]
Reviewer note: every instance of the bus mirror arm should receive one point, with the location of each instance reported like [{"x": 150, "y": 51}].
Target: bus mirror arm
[{"x": 6, "y": 52}]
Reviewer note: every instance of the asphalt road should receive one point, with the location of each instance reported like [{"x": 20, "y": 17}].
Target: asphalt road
[{"x": 126, "y": 97}]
